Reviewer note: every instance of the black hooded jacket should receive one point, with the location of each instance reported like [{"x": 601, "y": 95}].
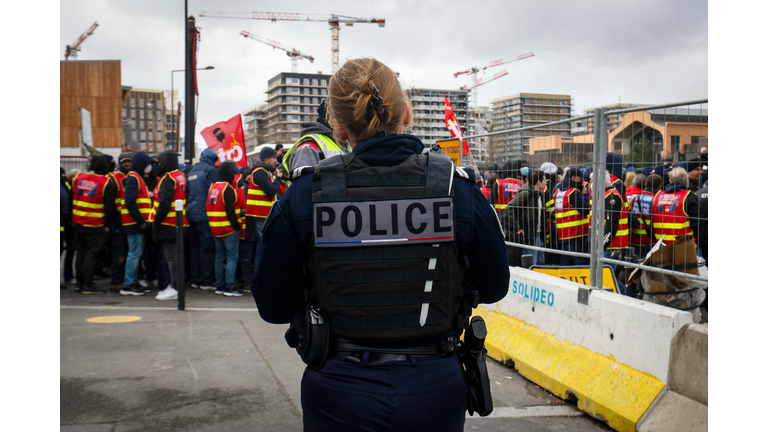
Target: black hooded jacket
[
  {"x": 167, "y": 162},
  {"x": 131, "y": 192},
  {"x": 100, "y": 166}
]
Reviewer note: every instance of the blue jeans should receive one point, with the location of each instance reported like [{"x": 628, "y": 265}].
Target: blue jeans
[
  {"x": 226, "y": 246},
  {"x": 538, "y": 257},
  {"x": 620, "y": 287},
  {"x": 135, "y": 250}
]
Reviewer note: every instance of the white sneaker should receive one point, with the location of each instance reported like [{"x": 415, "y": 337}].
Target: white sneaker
[
  {"x": 143, "y": 283},
  {"x": 207, "y": 288},
  {"x": 169, "y": 293},
  {"x": 154, "y": 282}
]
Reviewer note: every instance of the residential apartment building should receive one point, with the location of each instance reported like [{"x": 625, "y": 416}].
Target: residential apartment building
[
  {"x": 143, "y": 120},
  {"x": 429, "y": 113},
  {"x": 479, "y": 123},
  {"x": 529, "y": 109},
  {"x": 173, "y": 120},
  {"x": 292, "y": 98},
  {"x": 254, "y": 127}
]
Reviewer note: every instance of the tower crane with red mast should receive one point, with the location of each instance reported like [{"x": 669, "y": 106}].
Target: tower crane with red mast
[
  {"x": 333, "y": 20},
  {"x": 474, "y": 70},
  {"x": 73, "y": 49},
  {"x": 293, "y": 53}
]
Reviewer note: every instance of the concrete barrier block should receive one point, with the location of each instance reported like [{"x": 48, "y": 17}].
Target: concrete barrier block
[
  {"x": 674, "y": 413},
  {"x": 688, "y": 363}
]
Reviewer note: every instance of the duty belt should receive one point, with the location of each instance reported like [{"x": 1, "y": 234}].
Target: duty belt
[{"x": 346, "y": 350}]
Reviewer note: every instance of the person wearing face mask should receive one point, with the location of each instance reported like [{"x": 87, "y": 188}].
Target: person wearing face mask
[{"x": 135, "y": 211}]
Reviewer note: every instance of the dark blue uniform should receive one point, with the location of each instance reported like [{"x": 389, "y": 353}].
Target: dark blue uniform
[{"x": 421, "y": 394}]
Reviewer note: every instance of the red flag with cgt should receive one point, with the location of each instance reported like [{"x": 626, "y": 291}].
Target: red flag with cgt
[{"x": 227, "y": 140}]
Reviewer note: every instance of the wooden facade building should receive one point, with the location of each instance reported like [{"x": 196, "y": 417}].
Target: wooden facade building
[{"x": 95, "y": 86}]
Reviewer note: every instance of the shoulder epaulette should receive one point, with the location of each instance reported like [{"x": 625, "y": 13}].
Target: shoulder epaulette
[
  {"x": 300, "y": 171},
  {"x": 465, "y": 174}
]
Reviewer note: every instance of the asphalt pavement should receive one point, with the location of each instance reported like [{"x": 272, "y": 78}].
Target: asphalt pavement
[{"x": 137, "y": 364}]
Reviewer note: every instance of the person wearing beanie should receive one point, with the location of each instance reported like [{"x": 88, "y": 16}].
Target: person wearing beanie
[
  {"x": 93, "y": 213},
  {"x": 201, "y": 245},
  {"x": 119, "y": 242},
  {"x": 171, "y": 187},
  {"x": 614, "y": 165},
  {"x": 694, "y": 169},
  {"x": 136, "y": 208},
  {"x": 223, "y": 209},
  {"x": 316, "y": 143}
]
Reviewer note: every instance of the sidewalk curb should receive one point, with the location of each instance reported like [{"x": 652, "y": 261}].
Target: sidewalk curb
[{"x": 604, "y": 388}]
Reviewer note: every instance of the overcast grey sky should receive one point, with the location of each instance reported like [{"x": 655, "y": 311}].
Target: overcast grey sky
[{"x": 596, "y": 51}]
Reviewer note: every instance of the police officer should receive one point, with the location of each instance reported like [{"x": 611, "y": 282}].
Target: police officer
[
  {"x": 316, "y": 143},
  {"x": 390, "y": 362}
]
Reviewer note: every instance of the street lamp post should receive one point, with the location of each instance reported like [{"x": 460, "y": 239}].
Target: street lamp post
[{"x": 174, "y": 113}]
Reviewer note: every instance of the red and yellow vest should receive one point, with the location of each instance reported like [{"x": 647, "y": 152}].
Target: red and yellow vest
[
  {"x": 88, "y": 199},
  {"x": 258, "y": 204},
  {"x": 669, "y": 217},
  {"x": 217, "y": 211},
  {"x": 641, "y": 206},
  {"x": 179, "y": 188},
  {"x": 118, "y": 176},
  {"x": 486, "y": 191},
  {"x": 142, "y": 200},
  {"x": 508, "y": 188},
  {"x": 570, "y": 223}
]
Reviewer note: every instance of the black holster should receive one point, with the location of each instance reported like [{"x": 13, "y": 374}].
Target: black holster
[
  {"x": 309, "y": 335},
  {"x": 471, "y": 355}
]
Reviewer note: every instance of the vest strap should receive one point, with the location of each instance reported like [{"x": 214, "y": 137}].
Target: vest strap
[
  {"x": 383, "y": 299},
  {"x": 384, "y": 322},
  {"x": 383, "y": 276},
  {"x": 439, "y": 174},
  {"x": 333, "y": 179},
  {"x": 377, "y": 253}
]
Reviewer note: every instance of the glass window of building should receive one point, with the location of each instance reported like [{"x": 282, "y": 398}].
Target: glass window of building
[
  {"x": 314, "y": 81},
  {"x": 323, "y": 82}
]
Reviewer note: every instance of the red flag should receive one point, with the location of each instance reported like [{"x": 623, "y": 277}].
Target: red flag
[
  {"x": 453, "y": 126},
  {"x": 227, "y": 140}
]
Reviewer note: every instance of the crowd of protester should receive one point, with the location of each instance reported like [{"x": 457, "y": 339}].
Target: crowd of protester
[
  {"x": 551, "y": 207},
  {"x": 118, "y": 221}
]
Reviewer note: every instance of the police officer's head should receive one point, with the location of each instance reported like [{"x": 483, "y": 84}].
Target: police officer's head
[{"x": 365, "y": 98}]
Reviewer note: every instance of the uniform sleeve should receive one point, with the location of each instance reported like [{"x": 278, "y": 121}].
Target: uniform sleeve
[
  {"x": 281, "y": 282},
  {"x": 488, "y": 270}
]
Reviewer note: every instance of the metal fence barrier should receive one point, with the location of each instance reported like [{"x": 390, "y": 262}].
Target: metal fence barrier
[{"x": 658, "y": 137}]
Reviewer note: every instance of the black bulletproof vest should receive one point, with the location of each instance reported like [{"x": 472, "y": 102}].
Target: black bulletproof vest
[{"x": 383, "y": 262}]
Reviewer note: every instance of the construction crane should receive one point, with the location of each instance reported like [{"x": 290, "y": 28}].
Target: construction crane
[
  {"x": 333, "y": 20},
  {"x": 476, "y": 83},
  {"x": 293, "y": 53},
  {"x": 73, "y": 49}
]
